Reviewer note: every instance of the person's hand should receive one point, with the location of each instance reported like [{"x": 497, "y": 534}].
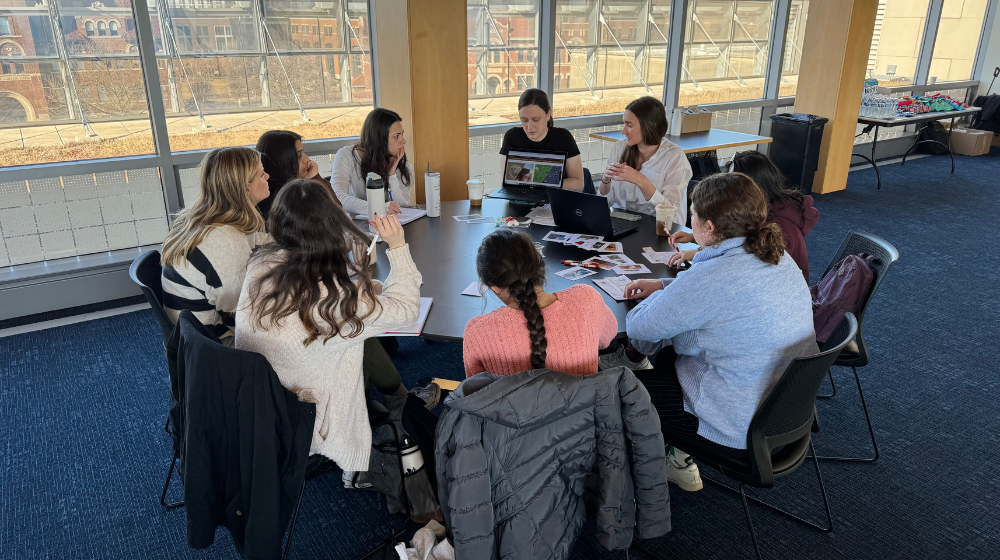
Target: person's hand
[
  {"x": 394, "y": 161},
  {"x": 681, "y": 237},
  {"x": 638, "y": 289},
  {"x": 393, "y": 208},
  {"x": 389, "y": 229},
  {"x": 312, "y": 169},
  {"x": 622, "y": 172},
  {"x": 677, "y": 259}
]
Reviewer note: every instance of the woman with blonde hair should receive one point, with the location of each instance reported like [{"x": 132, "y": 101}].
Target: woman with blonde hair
[{"x": 206, "y": 251}]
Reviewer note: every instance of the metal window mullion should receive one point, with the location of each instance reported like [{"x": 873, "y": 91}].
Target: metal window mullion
[
  {"x": 926, "y": 53},
  {"x": 154, "y": 99},
  {"x": 547, "y": 47},
  {"x": 373, "y": 47},
  {"x": 675, "y": 53},
  {"x": 776, "y": 50},
  {"x": 775, "y": 58},
  {"x": 984, "y": 39}
]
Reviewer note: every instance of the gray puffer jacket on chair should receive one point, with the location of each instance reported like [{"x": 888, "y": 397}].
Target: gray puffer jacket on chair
[{"x": 516, "y": 454}]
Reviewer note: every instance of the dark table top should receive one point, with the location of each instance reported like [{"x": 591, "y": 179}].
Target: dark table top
[
  {"x": 921, "y": 118},
  {"x": 444, "y": 251}
]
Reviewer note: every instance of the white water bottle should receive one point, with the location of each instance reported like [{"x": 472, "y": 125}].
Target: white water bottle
[
  {"x": 413, "y": 459},
  {"x": 432, "y": 194},
  {"x": 676, "y": 121},
  {"x": 376, "y": 195}
]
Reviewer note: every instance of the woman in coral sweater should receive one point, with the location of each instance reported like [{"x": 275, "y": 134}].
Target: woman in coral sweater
[{"x": 562, "y": 331}]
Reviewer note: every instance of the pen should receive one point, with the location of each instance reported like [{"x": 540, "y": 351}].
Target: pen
[{"x": 371, "y": 248}]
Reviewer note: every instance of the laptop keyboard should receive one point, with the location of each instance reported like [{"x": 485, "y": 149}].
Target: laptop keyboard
[{"x": 522, "y": 193}]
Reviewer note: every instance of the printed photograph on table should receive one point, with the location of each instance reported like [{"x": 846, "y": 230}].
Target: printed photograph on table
[
  {"x": 576, "y": 273},
  {"x": 602, "y": 263},
  {"x": 617, "y": 257},
  {"x": 468, "y": 217},
  {"x": 632, "y": 269},
  {"x": 557, "y": 236}
]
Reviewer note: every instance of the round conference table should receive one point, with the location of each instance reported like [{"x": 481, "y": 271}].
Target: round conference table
[{"x": 444, "y": 251}]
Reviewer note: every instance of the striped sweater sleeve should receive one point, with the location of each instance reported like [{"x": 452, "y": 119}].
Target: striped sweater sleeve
[{"x": 208, "y": 281}]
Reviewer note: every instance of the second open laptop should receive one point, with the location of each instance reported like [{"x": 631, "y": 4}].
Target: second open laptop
[
  {"x": 577, "y": 212},
  {"x": 529, "y": 174}
]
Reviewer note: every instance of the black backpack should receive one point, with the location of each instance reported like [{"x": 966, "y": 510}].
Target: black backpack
[{"x": 933, "y": 130}]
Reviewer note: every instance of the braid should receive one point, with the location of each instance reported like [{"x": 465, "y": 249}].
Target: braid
[{"x": 527, "y": 300}]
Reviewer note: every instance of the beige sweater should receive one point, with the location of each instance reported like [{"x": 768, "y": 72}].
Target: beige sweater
[{"x": 332, "y": 371}]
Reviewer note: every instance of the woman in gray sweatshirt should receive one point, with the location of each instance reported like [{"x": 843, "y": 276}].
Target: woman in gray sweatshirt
[{"x": 730, "y": 324}]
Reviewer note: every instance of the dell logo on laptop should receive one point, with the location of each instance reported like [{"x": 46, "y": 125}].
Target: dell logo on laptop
[{"x": 579, "y": 212}]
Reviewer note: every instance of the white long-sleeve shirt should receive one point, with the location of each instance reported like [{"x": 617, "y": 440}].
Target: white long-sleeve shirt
[
  {"x": 350, "y": 185},
  {"x": 668, "y": 170}
]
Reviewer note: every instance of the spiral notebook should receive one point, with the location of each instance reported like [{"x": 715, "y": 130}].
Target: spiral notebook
[{"x": 417, "y": 327}]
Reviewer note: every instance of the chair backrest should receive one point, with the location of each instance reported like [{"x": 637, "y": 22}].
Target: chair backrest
[
  {"x": 787, "y": 413},
  {"x": 146, "y": 272},
  {"x": 856, "y": 243}
]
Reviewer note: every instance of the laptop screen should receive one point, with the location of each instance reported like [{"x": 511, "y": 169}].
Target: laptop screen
[{"x": 534, "y": 169}]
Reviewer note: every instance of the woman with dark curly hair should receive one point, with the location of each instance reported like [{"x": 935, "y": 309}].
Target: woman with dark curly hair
[{"x": 537, "y": 329}]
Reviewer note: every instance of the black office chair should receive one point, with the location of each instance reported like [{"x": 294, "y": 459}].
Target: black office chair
[
  {"x": 779, "y": 436},
  {"x": 855, "y": 354},
  {"x": 146, "y": 273},
  {"x": 588, "y": 182}
]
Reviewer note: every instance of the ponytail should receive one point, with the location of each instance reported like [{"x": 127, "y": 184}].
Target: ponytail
[
  {"x": 736, "y": 206},
  {"x": 527, "y": 300},
  {"x": 765, "y": 242}
]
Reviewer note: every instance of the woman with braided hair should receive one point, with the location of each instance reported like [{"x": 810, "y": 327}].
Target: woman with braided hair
[{"x": 562, "y": 331}]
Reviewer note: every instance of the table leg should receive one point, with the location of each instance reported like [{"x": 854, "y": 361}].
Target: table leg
[
  {"x": 950, "y": 128},
  {"x": 878, "y": 175}
]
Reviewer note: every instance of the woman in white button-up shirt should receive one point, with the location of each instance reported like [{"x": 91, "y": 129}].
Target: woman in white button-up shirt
[
  {"x": 646, "y": 169},
  {"x": 382, "y": 151}
]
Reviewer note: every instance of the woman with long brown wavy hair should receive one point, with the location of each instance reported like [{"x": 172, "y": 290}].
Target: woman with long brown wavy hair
[
  {"x": 725, "y": 329},
  {"x": 205, "y": 254},
  {"x": 309, "y": 303}
]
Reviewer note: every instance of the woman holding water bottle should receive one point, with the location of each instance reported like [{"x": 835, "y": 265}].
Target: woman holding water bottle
[{"x": 380, "y": 151}]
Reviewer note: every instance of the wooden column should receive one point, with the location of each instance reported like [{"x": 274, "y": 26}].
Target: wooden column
[
  {"x": 439, "y": 89},
  {"x": 831, "y": 80}
]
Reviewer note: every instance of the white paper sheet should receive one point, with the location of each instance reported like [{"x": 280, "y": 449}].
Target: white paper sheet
[
  {"x": 475, "y": 289},
  {"x": 614, "y": 286}
]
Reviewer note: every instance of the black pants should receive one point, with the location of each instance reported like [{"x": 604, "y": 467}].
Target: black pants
[
  {"x": 679, "y": 426},
  {"x": 378, "y": 368}
]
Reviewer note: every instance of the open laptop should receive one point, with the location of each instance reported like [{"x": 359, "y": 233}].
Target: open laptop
[
  {"x": 529, "y": 174},
  {"x": 577, "y": 212}
]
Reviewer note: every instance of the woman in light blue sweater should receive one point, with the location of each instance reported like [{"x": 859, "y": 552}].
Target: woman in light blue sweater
[{"x": 729, "y": 325}]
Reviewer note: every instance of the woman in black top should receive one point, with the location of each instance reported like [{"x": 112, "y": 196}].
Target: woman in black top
[{"x": 537, "y": 132}]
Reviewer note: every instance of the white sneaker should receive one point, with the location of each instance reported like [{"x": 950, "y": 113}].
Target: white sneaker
[
  {"x": 618, "y": 358},
  {"x": 682, "y": 471},
  {"x": 355, "y": 480}
]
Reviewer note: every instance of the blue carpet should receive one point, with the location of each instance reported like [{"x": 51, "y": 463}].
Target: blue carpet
[{"x": 83, "y": 452}]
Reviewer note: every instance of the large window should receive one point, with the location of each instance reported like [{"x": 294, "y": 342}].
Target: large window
[
  {"x": 80, "y": 94},
  {"x": 899, "y": 29},
  {"x": 607, "y": 53},
  {"x": 791, "y": 59},
  {"x": 957, "y": 39},
  {"x": 502, "y": 57},
  {"x": 725, "y": 51},
  {"x": 229, "y": 75}
]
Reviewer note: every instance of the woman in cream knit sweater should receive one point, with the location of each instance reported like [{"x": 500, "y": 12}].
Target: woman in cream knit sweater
[{"x": 308, "y": 307}]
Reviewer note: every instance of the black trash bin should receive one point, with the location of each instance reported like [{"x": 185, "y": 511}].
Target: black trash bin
[{"x": 795, "y": 150}]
